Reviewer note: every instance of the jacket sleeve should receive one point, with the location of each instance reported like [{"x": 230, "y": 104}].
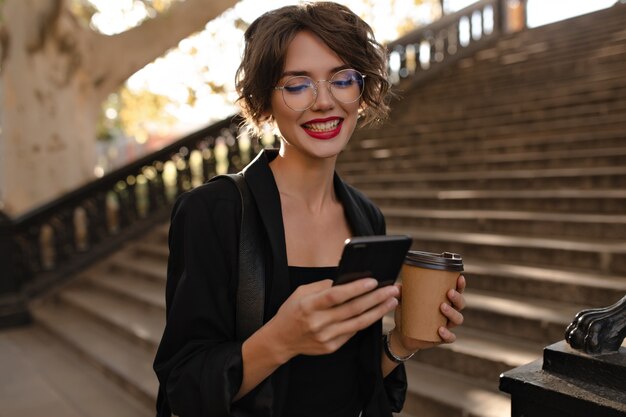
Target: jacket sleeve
[
  {"x": 395, "y": 384},
  {"x": 198, "y": 362}
]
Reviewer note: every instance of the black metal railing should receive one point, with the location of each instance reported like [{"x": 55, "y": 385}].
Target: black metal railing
[
  {"x": 422, "y": 53},
  {"x": 41, "y": 248}
]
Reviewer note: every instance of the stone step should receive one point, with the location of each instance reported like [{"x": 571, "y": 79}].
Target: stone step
[
  {"x": 395, "y": 133},
  {"x": 122, "y": 361},
  {"x": 132, "y": 287},
  {"x": 508, "y": 116},
  {"x": 598, "y": 91},
  {"x": 47, "y": 380},
  {"x": 409, "y": 141},
  {"x": 538, "y": 321},
  {"x": 589, "y": 178},
  {"x": 418, "y": 156},
  {"x": 511, "y": 126},
  {"x": 156, "y": 250},
  {"x": 606, "y": 200},
  {"x": 540, "y": 283},
  {"x": 539, "y": 59},
  {"x": 477, "y": 354},
  {"x": 420, "y": 162},
  {"x": 437, "y": 393},
  {"x": 480, "y": 354},
  {"x": 493, "y": 86},
  {"x": 148, "y": 268},
  {"x": 160, "y": 235},
  {"x": 586, "y": 255},
  {"x": 516, "y": 223},
  {"x": 142, "y": 325},
  {"x": 473, "y": 77},
  {"x": 521, "y": 108},
  {"x": 412, "y": 140}
]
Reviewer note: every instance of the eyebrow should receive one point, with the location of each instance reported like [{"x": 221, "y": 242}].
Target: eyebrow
[{"x": 307, "y": 73}]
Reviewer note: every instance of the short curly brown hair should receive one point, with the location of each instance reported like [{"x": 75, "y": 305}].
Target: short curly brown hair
[{"x": 266, "y": 43}]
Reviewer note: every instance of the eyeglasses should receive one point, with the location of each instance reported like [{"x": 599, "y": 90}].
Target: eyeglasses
[{"x": 300, "y": 92}]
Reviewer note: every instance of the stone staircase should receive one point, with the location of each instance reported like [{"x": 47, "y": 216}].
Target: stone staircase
[
  {"x": 515, "y": 158},
  {"x": 90, "y": 352}
]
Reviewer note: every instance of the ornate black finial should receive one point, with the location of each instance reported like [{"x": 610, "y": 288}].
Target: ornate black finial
[{"x": 598, "y": 330}]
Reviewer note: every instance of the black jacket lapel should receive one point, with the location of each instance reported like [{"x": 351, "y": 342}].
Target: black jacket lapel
[{"x": 263, "y": 187}]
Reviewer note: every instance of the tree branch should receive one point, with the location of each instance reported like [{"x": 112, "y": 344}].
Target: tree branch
[
  {"x": 47, "y": 20},
  {"x": 115, "y": 58}
]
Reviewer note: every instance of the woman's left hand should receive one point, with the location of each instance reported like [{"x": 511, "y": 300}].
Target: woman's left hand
[{"x": 451, "y": 310}]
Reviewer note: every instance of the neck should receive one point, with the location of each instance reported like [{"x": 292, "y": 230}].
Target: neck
[{"x": 305, "y": 180}]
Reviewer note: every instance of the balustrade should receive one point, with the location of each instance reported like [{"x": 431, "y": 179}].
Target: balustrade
[
  {"x": 40, "y": 248},
  {"x": 423, "y": 52}
]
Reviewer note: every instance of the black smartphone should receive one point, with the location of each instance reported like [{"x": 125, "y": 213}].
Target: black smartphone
[{"x": 379, "y": 257}]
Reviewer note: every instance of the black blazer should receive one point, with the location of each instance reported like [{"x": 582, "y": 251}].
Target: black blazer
[{"x": 198, "y": 362}]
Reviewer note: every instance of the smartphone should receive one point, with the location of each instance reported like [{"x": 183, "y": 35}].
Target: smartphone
[{"x": 379, "y": 257}]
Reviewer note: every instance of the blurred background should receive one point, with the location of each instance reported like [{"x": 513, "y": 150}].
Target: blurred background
[{"x": 506, "y": 143}]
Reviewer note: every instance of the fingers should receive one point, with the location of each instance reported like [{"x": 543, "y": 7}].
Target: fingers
[
  {"x": 455, "y": 318},
  {"x": 399, "y": 287},
  {"x": 316, "y": 286},
  {"x": 446, "y": 335},
  {"x": 456, "y": 299},
  {"x": 322, "y": 306},
  {"x": 364, "y": 303},
  {"x": 362, "y": 321},
  {"x": 456, "y": 296},
  {"x": 329, "y": 296},
  {"x": 461, "y": 283}
]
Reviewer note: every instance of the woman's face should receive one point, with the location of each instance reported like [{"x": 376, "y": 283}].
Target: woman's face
[{"x": 322, "y": 130}]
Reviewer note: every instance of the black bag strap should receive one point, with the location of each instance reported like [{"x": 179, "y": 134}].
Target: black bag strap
[{"x": 251, "y": 289}]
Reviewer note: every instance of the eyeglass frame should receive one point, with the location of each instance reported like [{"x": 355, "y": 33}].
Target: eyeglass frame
[{"x": 315, "y": 88}]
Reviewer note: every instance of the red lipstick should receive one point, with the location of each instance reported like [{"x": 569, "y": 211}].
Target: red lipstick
[{"x": 315, "y": 129}]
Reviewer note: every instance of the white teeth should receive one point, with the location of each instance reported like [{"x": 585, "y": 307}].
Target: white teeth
[{"x": 323, "y": 127}]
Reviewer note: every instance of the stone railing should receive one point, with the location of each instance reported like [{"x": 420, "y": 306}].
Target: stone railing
[
  {"x": 40, "y": 249},
  {"x": 425, "y": 51}
]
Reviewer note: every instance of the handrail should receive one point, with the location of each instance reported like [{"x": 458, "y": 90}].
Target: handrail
[
  {"x": 43, "y": 247},
  {"x": 425, "y": 51}
]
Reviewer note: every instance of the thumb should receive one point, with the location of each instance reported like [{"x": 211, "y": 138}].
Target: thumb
[{"x": 316, "y": 286}]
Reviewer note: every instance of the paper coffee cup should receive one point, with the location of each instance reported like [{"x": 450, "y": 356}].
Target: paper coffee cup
[{"x": 426, "y": 280}]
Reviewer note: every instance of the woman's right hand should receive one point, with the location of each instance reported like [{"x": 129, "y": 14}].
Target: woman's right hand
[{"x": 319, "y": 318}]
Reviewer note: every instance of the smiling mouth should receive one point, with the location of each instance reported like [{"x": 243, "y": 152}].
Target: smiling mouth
[{"x": 323, "y": 126}]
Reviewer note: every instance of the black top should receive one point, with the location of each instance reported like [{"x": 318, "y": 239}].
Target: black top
[
  {"x": 323, "y": 385},
  {"x": 199, "y": 362}
]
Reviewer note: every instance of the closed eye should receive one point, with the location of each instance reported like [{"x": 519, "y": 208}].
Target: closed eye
[
  {"x": 298, "y": 88},
  {"x": 349, "y": 82}
]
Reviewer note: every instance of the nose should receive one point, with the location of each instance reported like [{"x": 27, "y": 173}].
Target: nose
[{"x": 324, "y": 99}]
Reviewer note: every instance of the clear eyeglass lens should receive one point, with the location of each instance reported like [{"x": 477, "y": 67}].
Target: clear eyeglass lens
[
  {"x": 347, "y": 85},
  {"x": 300, "y": 92}
]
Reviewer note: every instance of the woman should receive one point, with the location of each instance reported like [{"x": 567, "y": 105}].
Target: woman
[{"x": 311, "y": 71}]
